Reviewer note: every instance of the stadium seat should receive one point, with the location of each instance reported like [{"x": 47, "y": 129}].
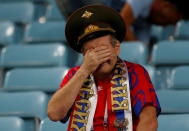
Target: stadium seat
[
  {"x": 179, "y": 78},
  {"x": 48, "y": 125},
  {"x": 173, "y": 101},
  {"x": 170, "y": 53},
  {"x": 11, "y": 123},
  {"x": 17, "y": 11},
  {"x": 159, "y": 33},
  {"x": 182, "y": 30},
  {"x": 53, "y": 12},
  {"x": 30, "y": 106},
  {"x": 165, "y": 56},
  {"x": 24, "y": 104},
  {"x": 173, "y": 122},
  {"x": 7, "y": 32},
  {"x": 50, "y": 31},
  {"x": 36, "y": 55},
  {"x": 27, "y": 79},
  {"x": 135, "y": 52}
]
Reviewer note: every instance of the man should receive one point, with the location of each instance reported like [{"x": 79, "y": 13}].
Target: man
[
  {"x": 139, "y": 15},
  {"x": 105, "y": 92}
]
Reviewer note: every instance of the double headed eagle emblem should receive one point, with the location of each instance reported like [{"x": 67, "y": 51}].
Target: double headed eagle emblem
[{"x": 87, "y": 14}]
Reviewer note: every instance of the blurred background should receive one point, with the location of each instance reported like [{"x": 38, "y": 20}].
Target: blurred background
[{"x": 34, "y": 58}]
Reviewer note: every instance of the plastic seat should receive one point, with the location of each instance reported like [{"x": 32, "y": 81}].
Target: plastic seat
[
  {"x": 174, "y": 101},
  {"x": 166, "y": 55},
  {"x": 173, "y": 122},
  {"x": 182, "y": 30},
  {"x": 135, "y": 52},
  {"x": 24, "y": 104},
  {"x": 180, "y": 77},
  {"x": 170, "y": 53},
  {"x": 7, "y": 32},
  {"x": 50, "y": 31},
  {"x": 12, "y": 124},
  {"x": 30, "y": 106},
  {"x": 38, "y": 55},
  {"x": 53, "y": 12},
  {"x": 17, "y": 11},
  {"x": 159, "y": 33},
  {"x": 48, "y": 125},
  {"x": 26, "y": 79}
]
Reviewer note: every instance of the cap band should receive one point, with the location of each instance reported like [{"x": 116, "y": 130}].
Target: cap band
[{"x": 94, "y": 28}]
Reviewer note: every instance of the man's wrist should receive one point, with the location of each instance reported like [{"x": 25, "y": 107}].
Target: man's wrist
[{"x": 83, "y": 72}]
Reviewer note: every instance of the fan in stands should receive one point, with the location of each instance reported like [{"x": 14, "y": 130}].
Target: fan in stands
[{"x": 126, "y": 99}]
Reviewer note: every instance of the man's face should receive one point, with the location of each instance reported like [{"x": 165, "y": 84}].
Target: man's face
[
  {"x": 107, "y": 67},
  {"x": 164, "y": 13}
]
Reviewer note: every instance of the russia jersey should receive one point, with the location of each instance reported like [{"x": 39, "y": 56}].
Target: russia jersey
[{"x": 142, "y": 93}]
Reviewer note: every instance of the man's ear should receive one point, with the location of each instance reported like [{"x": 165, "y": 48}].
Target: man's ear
[{"x": 117, "y": 48}]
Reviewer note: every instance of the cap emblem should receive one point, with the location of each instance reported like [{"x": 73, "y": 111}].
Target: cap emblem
[
  {"x": 91, "y": 28},
  {"x": 87, "y": 14}
]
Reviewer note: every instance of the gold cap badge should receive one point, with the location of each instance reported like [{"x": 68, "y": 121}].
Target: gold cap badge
[{"x": 87, "y": 14}]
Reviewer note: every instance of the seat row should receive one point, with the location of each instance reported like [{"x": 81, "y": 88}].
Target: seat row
[
  {"x": 35, "y": 32},
  {"x": 166, "y": 56},
  {"x": 165, "y": 123},
  {"x": 26, "y": 11}
]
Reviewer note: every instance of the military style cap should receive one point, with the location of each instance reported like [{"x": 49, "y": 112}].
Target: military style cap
[{"x": 92, "y": 22}]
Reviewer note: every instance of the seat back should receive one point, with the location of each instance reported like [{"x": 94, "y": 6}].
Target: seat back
[
  {"x": 53, "y": 12},
  {"x": 31, "y": 104},
  {"x": 51, "y": 31},
  {"x": 182, "y": 30},
  {"x": 135, "y": 52},
  {"x": 17, "y": 11},
  {"x": 173, "y": 122},
  {"x": 179, "y": 79},
  {"x": 11, "y": 123},
  {"x": 7, "y": 32},
  {"x": 44, "y": 79},
  {"x": 170, "y": 53},
  {"x": 48, "y": 125},
  {"x": 174, "y": 101},
  {"x": 165, "y": 56},
  {"x": 39, "y": 55}
]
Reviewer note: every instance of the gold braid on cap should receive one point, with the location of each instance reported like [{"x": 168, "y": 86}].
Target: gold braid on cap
[{"x": 93, "y": 28}]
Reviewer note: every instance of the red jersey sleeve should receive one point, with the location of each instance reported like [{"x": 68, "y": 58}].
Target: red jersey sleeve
[{"x": 142, "y": 90}]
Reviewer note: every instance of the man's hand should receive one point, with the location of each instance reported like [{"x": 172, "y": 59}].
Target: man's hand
[{"x": 94, "y": 57}]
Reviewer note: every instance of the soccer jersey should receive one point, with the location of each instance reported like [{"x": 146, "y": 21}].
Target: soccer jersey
[{"x": 141, "y": 91}]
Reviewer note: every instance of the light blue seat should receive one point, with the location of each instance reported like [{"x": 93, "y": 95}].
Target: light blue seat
[
  {"x": 170, "y": 53},
  {"x": 174, "y": 101},
  {"x": 7, "y": 32},
  {"x": 162, "y": 32},
  {"x": 173, "y": 122},
  {"x": 31, "y": 106},
  {"x": 44, "y": 79},
  {"x": 53, "y": 12},
  {"x": 36, "y": 55},
  {"x": 17, "y": 11},
  {"x": 12, "y": 124},
  {"x": 165, "y": 56},
  {"x": 24, "y": 104},
  {"x": 48, "y": 125},
  {"x": 49, "y": 31},
  {"x": 135, "y": 52},
  {"x": 179, "y": 78},
  {"x": 182, "y": 30}
]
